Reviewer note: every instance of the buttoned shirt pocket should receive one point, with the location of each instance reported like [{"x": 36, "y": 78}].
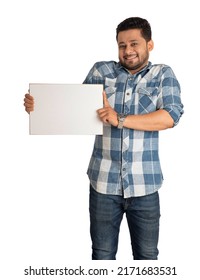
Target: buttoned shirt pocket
[{"x": 146, "y": 100}]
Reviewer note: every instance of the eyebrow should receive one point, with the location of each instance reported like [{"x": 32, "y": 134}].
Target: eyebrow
[{"x": 131, "y": 41}]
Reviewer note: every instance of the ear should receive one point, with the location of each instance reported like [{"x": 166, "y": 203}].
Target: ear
[{"x": 150, "y": 45}]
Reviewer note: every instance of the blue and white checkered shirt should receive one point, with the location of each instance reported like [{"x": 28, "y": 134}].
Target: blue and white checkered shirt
[{"x": 126, "y": 161}]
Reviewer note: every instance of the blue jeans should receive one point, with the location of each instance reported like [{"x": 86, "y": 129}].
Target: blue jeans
[{"x": 106, "y": 213}]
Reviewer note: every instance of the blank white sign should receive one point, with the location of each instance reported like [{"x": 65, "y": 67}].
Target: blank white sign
[{"x": 66, "y": 109}]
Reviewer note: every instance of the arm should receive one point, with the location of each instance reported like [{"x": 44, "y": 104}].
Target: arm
[
  {"x": 168, "y": 111},
  {"x": 154, "y": 121}
]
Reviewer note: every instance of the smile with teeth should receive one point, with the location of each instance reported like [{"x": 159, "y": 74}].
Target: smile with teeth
[{"x": 131, "y": 57}]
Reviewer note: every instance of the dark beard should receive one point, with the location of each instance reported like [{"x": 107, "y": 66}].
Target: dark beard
[{"x": 136, "y": 67}]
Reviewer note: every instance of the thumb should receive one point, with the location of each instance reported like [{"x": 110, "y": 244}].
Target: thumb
[{"x": 105, "y": 100}]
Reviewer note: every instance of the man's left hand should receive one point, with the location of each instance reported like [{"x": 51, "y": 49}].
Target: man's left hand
[{"x": 106, "y": 114}]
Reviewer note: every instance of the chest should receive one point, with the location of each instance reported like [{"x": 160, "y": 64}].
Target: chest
[{"x": 132, "y": 95}]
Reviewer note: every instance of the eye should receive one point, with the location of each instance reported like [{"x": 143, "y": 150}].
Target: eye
[
  {"x": 122, "y": 46},
  {"x": 134, "y": 44}
]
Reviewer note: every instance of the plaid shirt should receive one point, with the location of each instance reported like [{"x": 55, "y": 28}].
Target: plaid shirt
[{"x": 126, "y": 161}]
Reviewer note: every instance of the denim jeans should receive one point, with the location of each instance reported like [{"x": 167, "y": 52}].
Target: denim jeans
[{"x": 106, "y": 213}]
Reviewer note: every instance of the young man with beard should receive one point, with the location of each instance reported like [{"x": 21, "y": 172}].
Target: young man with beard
[{"x": 140, "y": 99}]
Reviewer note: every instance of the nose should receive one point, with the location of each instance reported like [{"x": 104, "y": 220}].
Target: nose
[{"x": 129, "y": 50}]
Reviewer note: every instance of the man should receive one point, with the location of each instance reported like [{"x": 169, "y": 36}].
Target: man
[{"x": 140, "y": 99}]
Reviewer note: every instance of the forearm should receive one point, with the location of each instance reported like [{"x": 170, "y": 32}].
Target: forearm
[{"x": 155, "y": 121}]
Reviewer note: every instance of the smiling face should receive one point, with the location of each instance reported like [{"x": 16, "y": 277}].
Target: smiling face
[{"x": 133, "y": 50}]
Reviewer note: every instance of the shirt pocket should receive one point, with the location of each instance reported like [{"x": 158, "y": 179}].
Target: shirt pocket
[{"x": 146, "y": 100}]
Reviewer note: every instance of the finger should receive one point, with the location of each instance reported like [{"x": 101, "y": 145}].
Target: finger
[
  {"x": 28, "y": 101},
  {"x": 100, "y": 110},
  {"x": 105, "y": 100},
  {"x": 103, "y": 115},
  {"x": 28, "y": 96},
  {"x": 28, "y": 105}
]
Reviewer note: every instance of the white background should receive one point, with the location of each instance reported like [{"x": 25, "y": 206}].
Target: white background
[{"x": 43, "y": 183}]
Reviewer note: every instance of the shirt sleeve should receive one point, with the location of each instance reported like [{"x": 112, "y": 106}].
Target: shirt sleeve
[
  {"x": 169, "y": 97},
  {"x": 94, "y": 76}
]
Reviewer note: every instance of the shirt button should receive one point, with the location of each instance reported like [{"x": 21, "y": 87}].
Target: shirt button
[{"x": 124, "y": 169}]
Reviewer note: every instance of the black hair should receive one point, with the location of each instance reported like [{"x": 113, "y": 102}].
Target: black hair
[{"x": 135, "y": 23}]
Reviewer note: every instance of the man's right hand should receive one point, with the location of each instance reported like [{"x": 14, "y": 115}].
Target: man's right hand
[{"x": 28, "y": 103}]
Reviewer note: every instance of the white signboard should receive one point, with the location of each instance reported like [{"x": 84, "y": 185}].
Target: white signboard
[{"x": 66, "y": 109}]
